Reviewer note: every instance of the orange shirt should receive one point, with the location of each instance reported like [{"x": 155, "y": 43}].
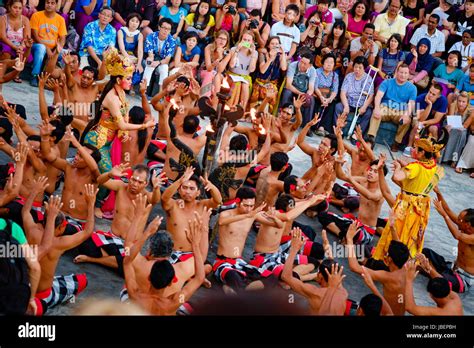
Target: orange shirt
[{"x": 49, "y": 29}]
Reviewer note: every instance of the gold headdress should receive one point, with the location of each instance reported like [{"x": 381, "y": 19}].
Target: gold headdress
[
  {"x": 116, "y": 64},
  {"x": 429, "y": 144}
]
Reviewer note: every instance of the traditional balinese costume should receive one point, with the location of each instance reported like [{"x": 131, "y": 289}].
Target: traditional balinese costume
[{"x": 412, "y": 206}]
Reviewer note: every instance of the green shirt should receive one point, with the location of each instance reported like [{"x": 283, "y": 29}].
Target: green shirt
[{"x": 17, "y": 231}]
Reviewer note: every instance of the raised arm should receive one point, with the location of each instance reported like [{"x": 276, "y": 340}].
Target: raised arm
[
  {"x": 453, "y": 228},
  {"x": 304, "y": 146},
  {"x": 32, "y": 231},
  {"x": 53, "y": 208},
  {"x": 287, "y": 276},
  {"x": 384, "y": 188},
  {"x": 43, "y": 106},
  {"x": 72, "y": 241},
  {"x": 227, "y": 219},
  {"x": 386, "y": 309},
  {"x": 452, "y": 215},
  {"x": 335, "y": 298},
  {"x": 216, "y": 197},
  {"x": 194, "y": 234},
  {"x": 12, "y": 188},
  {"x": 167, "y": 201}
]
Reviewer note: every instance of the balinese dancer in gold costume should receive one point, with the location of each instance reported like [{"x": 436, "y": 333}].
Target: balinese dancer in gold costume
[
  {"x": 111, "y": 110},
  {"x": 412, "y": 206}
]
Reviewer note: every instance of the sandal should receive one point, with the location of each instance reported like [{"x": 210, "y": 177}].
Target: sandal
[
  {"x": 17, "y": 80},
  {"x": 458, "y": 170},
  {"x": 472, "y": 175}
]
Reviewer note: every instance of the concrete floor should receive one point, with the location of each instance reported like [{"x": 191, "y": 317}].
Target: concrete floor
[{"x": 458, "y": 190}]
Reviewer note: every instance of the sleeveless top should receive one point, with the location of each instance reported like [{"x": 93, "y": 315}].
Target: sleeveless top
[
  {"x": 130, "y": 47},
  {"x": 253, "y": 5},
  {"x": 355, "y": 27},
  {"x": 16, "y": 37}
]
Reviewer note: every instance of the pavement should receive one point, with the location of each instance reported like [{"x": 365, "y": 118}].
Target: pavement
[{"x": 457, "y": 189}]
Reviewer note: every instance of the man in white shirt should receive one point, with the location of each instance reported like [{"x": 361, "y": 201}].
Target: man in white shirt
[
  {"x": 287, "y": 31},
  {"x": 466, "y": 48},
  {"x": 431, "y": 33}
]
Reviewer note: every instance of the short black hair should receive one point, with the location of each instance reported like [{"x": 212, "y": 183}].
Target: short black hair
[
  {"x": 293, "y": 7},
  {"x": 141, "y": 168},
  {"x": 184, "y": 80},
  {"x": 375, "y": 162},
  {"x": 137, "y": 115},
  {"x": 190, "y": 124},
  {"x": 326, "y": 265},
  {"x": 289, "y": 180},
  {"x": 34, "y": 138},
  {"x": 369, "y": 26},
  {"x": 105, "y": 8},
  {"x": 327, "y": 56},
  {"x": 284, "y": 202},
  {"x": 160, "y": 244},
  {"x": 371, "y": 305},
  {"x": 245, "y": 192},
  {"x": 438, "y": 287},
  {"x": 458, "y": 55},
  {"x": 162, "y": 274},
  {"x": 399, "y": 253},
  {"x": 360, "y": 60},
  {"x": 238, "y": 142},
  {"x": 256, "y": 13},
  {"x": 333, "y": 139},
  {"x": 95, "y": 152},
  {"x": 190, "y": 34},
  {"x": 435, "y": 16},
  {"x": 165, "y": 20},
  {"x": 93, "y": 70},
  {"x": 307, "y": 55},
  {"x": 59, "y": 130},
  {"x": 131, "y": 16},
  {"x": 469, "y": 217},
  {"x": 278, "y": 161}
]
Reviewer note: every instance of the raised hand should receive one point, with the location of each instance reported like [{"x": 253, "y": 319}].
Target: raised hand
[
  {"x": 258, "y": 209},
  {"x": 141, "y": 206},
  {"x": 423, "y": 262},
  {"x": 53, "y": 207},
  {"x": 67, "y": 58},
  {"x": 382, "y": 160},
  {"x": 352, "y": 231},
  {"x": 153, "y": 226},
  {"x": 39, "y": 185},
  {"x": 46, "y": 128},
  {"x": 299, "y": 102},
  {"x": 42, "y": 78},
  {"x": 205, "y": 182},
  {"x": 315, "y": 120},
  {"x": 21, "y": 153},
  {"x": 336, "y": 277},
  {"x": 411, "y": 271},
  {"x": 143, "y": 86},
  {"x": 19, "y": 63},
  {"x": 439, "y": 207},
  {"x": 69, "y": 136},
  {"x": 368, "y": 279},
  {"x": 297, "y": 239},
  {"x": 188, "y": 173},
  {"x": 121, "y": 169},
  {"x": 326, "y": 245},
  {"x": 90, "y": 194},
  {"x": 194, "y": 231},
  {"x": 158, "y": 180},
  {"x": 267, "y": 121},
  {"x": 358, "y": 132}
]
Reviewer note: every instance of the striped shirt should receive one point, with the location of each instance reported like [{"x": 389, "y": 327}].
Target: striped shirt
[{"x": 331, "y": 81}]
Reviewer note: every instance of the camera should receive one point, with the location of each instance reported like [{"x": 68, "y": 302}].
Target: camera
[
  {"x": 313, "y": 22},
  {"x": 253, "y": 24},
  {"x": 232, "y": 10}
]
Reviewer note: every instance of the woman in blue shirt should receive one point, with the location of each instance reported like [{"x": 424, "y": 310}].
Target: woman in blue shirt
[
  {"x": 176, "y": 13},
  {"x": 325, "y": 91},
  {"x": 187, "y": 52},
  {"x": 449, "y": 74}
]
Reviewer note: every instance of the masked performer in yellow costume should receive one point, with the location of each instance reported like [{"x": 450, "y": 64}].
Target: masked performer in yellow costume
[
  {"x": 111, "y": 110},
  {"x": 412, "y": 206}
]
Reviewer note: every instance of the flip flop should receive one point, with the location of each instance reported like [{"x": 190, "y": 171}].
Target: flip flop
[
  {"x": 17, "y": 80},
  {"x": 458, "y": 170},
  {"x": 472, "y": 175}
]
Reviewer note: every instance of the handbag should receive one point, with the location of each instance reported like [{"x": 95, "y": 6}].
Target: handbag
[{"x": 423, "y": 83}]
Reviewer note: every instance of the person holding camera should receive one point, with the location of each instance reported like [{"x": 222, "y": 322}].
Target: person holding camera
[
  {"x": 312, "y": 37},
  {"x": 272, "y": 65},
  {"x": 227, "y": 18},
  {"x": 242, "y": 62},
  {"x": 365, "y": 45},
  {"x": 260, "y": 29}
]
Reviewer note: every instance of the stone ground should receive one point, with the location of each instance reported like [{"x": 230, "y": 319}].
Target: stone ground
[{"x": 458, "y": 190}]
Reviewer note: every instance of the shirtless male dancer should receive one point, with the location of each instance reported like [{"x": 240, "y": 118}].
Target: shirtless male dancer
[
  {"x": 106, "y": 247},
  {"x": 158, "y": 293}
]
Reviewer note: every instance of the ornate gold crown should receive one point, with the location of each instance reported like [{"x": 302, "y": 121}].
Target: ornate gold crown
[
  {"x": 428, "y": 144},
  {"x": 116, "y": 64}
]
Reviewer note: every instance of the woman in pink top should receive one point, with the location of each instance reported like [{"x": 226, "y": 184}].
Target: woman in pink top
[
  {"x": 14, "y": 32},
  {"x": 257, "y": 5},
  {"x": 357, "y": 18}
]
